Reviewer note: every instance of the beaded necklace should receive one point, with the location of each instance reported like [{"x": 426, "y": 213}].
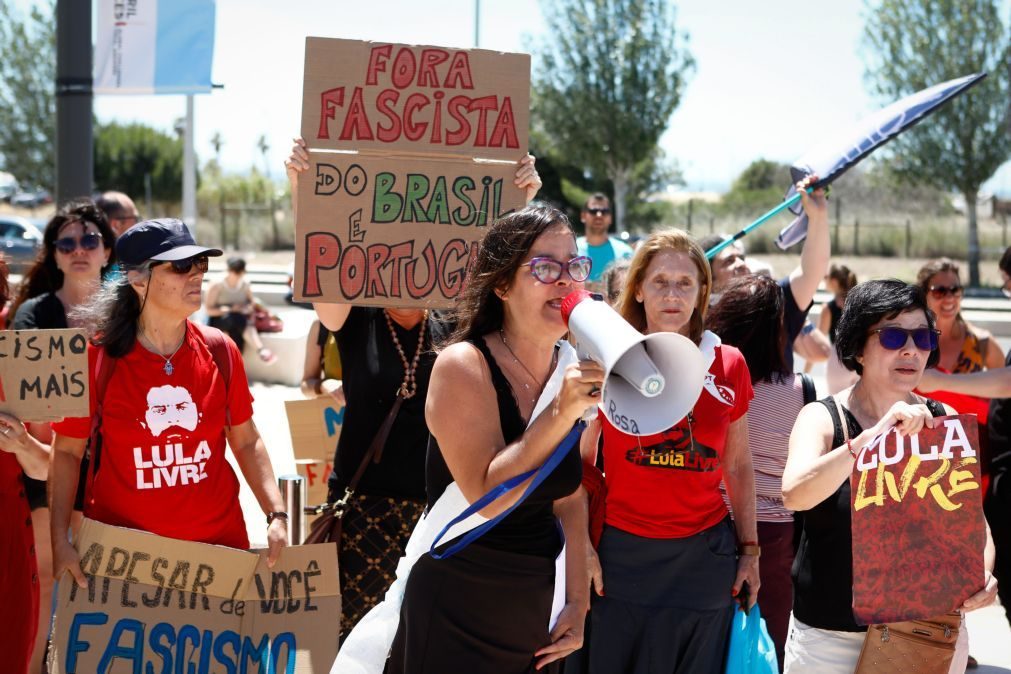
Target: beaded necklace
[{"x": 410, "y": 385}]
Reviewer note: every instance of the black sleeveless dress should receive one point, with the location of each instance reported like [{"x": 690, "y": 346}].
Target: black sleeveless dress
[
  {"x": 486, "y": 609},
  {"x": 823, "y": 568}
]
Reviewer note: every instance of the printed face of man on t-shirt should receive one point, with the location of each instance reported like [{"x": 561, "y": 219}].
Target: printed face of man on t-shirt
[{"x": 169, "y": 406}]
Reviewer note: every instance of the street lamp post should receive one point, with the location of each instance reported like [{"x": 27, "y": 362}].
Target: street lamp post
[{"x": 74, "y": 95}]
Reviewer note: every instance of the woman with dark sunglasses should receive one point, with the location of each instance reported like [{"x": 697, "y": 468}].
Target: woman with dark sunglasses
[
  {"x": 77, "y": 250},
  {"x": 964, "y": 347},
  {"x": 167, "y": 395},
  {"x": 887, "y": 336}
]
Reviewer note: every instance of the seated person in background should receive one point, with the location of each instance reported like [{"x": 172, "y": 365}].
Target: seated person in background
[
  {"x": 230, "y": 305},
  {"x": 323, "y": 372}
]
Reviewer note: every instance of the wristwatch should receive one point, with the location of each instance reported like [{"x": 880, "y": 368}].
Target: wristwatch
[{"x": 280, "y": 514}]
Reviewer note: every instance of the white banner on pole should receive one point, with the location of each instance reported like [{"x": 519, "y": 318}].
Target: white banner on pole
[{"x": 154, "y": 46}]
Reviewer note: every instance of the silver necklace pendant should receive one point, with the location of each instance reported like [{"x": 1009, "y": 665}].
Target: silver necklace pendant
[{"x": 168, "y": 368}]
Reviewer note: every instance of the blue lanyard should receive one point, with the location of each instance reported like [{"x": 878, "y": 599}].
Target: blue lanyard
[{"x": 539, "y": 475}]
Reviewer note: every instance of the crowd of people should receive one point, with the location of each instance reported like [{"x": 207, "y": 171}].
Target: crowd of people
[{"x": 744, "y": 500}]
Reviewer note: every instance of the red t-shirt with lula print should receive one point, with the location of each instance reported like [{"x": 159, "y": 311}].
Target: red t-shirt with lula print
[
  {"x": 162, "y": 464},
  {"x": 668, "y": 485}
]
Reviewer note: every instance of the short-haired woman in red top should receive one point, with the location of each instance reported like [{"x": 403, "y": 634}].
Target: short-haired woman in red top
[
  {"x": 670, "y": 558},
  {"x": 166, "y": 411}
]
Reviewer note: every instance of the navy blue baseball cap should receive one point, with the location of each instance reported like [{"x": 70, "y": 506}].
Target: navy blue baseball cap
[{"x": 166, "y": 239}]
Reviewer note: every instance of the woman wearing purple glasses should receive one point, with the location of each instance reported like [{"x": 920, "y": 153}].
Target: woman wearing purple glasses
[
  {"x": 887, "y": 336},
  {"x": 77, "y": 249}
]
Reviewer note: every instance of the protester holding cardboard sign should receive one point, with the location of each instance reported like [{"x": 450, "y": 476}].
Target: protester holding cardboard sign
[
  {"x": 887, "y": 336},
  {"x": 386, "y": 356},
  {"x": 19, "y": 578},
  {"x": 165, "y": 395},
  {"x": 488, "y": 607},
  {"x": 77, "y": 249}
]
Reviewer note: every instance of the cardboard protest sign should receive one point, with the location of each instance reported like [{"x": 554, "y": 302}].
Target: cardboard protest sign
[
  {"x": 918, "y": 532},
  {"x": 413, "y": 153},
  {"x": 399, "y": 98},
  {"x": 44, "y": 374},
  {"x": 156, "y": 604},
  {"x": 315, "y": 427}
]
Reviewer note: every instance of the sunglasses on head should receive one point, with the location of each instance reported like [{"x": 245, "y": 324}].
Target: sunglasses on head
[
  {"x": 186, "y": 266},
  {"x": 549, "y": 270},
  {"x": 68, "y": 244},
  {"x": 894, "y": 338},
  {"x": 598, "y": 211},
  {"x": 939, "y": 292}
]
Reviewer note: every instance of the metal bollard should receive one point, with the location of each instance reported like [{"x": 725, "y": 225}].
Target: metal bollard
[{"x": 293, "y": 492}]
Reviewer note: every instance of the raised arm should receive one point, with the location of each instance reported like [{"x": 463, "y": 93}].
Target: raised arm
[{"x": 816, "y": 253}]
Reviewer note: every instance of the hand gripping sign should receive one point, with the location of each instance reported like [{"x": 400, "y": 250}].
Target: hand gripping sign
[{"x": 412, "y": 154}]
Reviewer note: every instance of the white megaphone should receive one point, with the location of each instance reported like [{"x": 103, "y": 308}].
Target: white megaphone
[{"x": 651, "y": 382}]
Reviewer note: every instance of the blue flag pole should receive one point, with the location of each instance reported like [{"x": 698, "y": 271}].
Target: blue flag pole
[{"x": 715, "y": 250}]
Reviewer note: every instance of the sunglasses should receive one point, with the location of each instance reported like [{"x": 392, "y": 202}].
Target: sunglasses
[
  {"x": 549, "y": 270},
  {"x": 598, "y": 211},
  {"x": 893, "y": 338},
  {"x": 940, "y": 292},
  {"x": 186, "y": 266},
  {"x": 69, "y": 244}
]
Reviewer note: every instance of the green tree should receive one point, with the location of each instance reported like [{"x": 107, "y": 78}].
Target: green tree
[
  {"x": 27, "y": 105},
  {"x": 125, "y": 154},
  {"x": 608, "y": 80},
  {"x": 918, "y": 43},
  {"x": 759, "y": 187}
]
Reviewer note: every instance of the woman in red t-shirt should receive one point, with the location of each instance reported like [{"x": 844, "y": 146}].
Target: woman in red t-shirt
[
  {"x": 166, "y": 410},
  {"x": 19, "y": 578},
  {"x": 668, "y": 554}
]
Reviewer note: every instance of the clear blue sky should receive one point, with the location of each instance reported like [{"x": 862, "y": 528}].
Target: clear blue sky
[{"x": 770, "y": 78}]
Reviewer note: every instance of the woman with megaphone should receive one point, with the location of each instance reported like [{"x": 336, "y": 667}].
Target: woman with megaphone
[
  {"x": 671, "y": 560},
  {"x": 493, "y": 417}
]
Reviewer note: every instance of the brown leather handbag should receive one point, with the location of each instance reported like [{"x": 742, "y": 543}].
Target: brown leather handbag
[
  {"x": 327, "y": 528},
  {"x": 911, "y": 646}
]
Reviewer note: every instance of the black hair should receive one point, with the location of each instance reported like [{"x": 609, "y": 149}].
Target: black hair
[
  {"x": 45, "y": 276},
  {"x": 237, "y": 265},
  {"x": 1005, "y": 262},
  {"x": 596, "y": 196},
  {"x": 708, "y": 241},
  {"x": 870, "y": 302},
  {"x": 479, "y": 310},
  {"x": 749, "y": 316}
]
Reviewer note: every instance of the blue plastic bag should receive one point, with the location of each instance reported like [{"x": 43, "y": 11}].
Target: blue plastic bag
[{"x": 751, "y": 650}]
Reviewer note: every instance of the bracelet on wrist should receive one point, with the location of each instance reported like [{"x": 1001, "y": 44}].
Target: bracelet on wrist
[{"x": 277, "y": 515}]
